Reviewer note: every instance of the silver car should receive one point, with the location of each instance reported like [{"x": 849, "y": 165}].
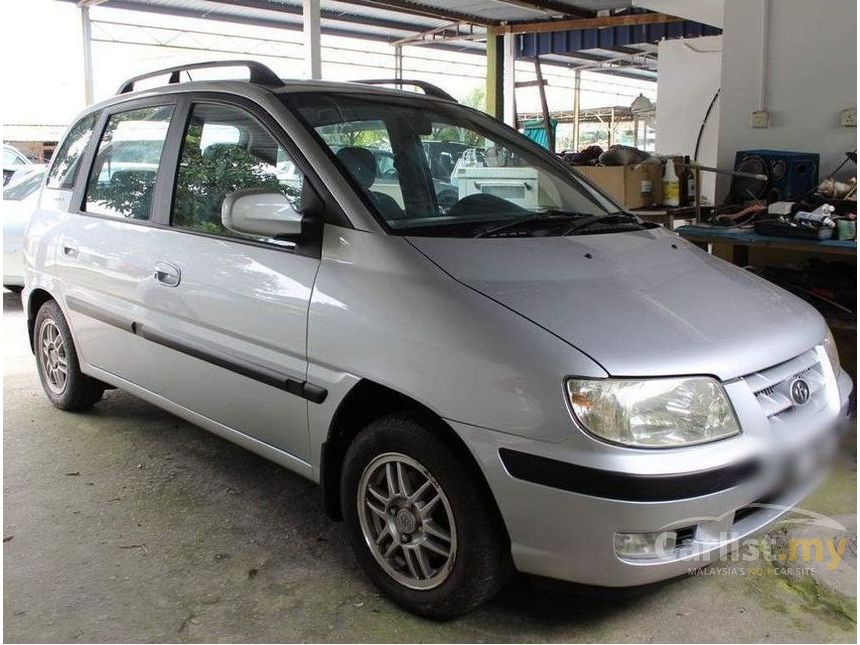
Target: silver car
[
  {"x": 20, "y": 197},
  {"x": 529, "y": 379}
]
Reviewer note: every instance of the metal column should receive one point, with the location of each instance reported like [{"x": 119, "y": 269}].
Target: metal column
[
  {"x": 577, "y": 96},
  {"x": 86, "y": 33},
  {"x": 547, "y": 121},
  {"x": 611, "y": 126},
  {"x": 510, "y": 112},
  {"x": 311, "y": 33},
  {"x": 495, "y": 104},
  {"x": 398, "y": 62}
]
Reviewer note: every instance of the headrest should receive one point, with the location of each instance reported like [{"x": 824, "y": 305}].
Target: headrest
[{"x": 360, "y": 163}]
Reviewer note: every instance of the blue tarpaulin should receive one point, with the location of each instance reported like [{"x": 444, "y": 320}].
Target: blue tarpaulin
[{"x": 536, "y": 131}]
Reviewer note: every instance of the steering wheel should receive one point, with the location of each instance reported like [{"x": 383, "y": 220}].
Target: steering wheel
[
  {"x": 482, "y": 204},
  {"x": 446, "y": 199}
]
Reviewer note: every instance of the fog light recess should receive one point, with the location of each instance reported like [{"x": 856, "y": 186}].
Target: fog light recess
[{"x": 645, "y": 546}]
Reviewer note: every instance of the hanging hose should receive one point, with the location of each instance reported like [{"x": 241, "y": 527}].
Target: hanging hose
[{"x": 702, "y": 127}]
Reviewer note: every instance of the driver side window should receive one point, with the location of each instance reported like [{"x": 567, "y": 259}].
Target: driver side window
[{"x": 225, "y": 149}]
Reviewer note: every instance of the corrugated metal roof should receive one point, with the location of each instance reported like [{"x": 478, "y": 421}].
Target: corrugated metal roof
[
  {"x": 515, "y": 10},
  {"x": 382, "y": 14},
  {"x": 491, "y": 10},
  {"x": 337, "y": 17},
  {"x": 394, "y": 20}
]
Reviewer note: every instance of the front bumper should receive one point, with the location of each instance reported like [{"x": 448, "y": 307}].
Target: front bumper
[{"x": 565, "y": 528}]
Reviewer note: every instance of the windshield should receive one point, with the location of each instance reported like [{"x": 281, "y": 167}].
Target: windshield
[
  {"x": 429, "y": 168},
  {"x": 25, "y": 187}
]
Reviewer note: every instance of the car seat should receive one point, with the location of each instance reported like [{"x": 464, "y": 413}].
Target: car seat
[{"x": 361, "y": 164}]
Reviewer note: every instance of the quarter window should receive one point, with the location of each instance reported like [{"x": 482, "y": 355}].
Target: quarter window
[
  {"x": 68, "y": 157},
  {"x": 122, "y": 179},
  {"x": 226, "y": 149}
]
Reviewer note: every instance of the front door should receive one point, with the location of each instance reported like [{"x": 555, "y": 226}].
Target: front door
[{"x": 226, "y": 315}]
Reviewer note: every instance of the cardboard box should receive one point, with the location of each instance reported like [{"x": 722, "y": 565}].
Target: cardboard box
[{"x": 630, "y": 186}]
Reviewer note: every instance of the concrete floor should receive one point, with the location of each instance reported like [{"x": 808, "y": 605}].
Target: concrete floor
[{"x": 127, "y": 524}]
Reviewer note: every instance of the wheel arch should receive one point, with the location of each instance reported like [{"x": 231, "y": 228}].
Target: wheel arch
[
  {"x": 367, "y": 401},
  {"x": 36, "y": 299}
]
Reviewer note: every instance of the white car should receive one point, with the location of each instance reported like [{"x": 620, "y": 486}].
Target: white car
[
  {"x": 19, "y": 199},
  {"x": 13, "y": 159}
]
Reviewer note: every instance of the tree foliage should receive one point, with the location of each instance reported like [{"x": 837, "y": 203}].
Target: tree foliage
[
  {"x": 127, "y": 193},
  {"x": 205, "y": 178}
]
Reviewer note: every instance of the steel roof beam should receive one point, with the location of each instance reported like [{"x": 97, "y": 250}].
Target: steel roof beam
[
  {"x": 415, "y": 9},
  {"x": 448, "y": 32},
  {"x": 600, "y": 22},
  {"x": 550, "y": 7}
]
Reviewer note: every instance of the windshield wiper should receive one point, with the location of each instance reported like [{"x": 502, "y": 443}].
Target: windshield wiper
[
  {"x": 543, "y": 217},
  {"x": 594, "y": 219}
]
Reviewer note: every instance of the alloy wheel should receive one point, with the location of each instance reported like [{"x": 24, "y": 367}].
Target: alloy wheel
[
  {"x": 53, "y": 357},
  {"x": 407, "y": 521}
]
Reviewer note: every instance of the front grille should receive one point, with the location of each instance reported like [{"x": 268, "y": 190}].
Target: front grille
[{"x": 772, "y": 386}]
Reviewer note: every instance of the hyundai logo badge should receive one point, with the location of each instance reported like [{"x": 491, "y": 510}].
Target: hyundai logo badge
[{"x": 800, "y": 391}]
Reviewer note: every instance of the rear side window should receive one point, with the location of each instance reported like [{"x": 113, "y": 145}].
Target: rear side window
[
  {"x": 122, "y": 179},
  {"x": 68, "y": 157}
]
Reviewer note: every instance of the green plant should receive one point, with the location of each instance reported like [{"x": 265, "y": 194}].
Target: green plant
[
  {"x": 127, "y": 193},
  {"x": 205, "y": 177}
]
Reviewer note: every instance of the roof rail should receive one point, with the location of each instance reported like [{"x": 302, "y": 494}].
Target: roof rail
[
  {"x": 429, "y": 88},
  {"x": 260, "y": 74}
]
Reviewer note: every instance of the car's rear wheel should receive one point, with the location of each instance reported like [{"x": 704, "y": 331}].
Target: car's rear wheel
[
  {"x": 57, "y": 362},
  {"x": 419, "y": 525}
]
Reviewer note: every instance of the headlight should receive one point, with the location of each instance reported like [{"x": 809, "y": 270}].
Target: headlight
[
  {"x": 832, "y": 352},
  {"x": 653, "y": 413}
]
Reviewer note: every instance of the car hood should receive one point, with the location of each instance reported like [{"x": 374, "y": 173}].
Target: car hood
[{"x": 645, "y": 303}]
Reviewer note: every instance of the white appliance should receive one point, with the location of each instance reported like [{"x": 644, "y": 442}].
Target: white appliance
[{"x": 516, "y": 185}]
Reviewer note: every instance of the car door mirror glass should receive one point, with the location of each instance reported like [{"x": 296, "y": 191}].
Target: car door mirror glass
[{"x": 261, "y": 212}]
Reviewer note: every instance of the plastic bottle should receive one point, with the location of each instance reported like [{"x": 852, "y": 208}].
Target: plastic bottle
[
  {"x": 690, "y": 183},
  {"x": 671, "y": 186}
]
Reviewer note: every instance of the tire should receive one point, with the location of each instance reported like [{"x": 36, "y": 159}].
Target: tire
[
  {"x": 478, "y": 557},
  {"x": 53, "y": 345}
]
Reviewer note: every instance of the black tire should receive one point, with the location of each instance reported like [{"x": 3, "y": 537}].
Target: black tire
[
  {"x": 481, "y": 561},
  {"x": 77, "y": 391},
  {"x": 14, "y": 288}
]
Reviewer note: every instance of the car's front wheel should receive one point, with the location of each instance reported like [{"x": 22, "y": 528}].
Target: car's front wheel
[
  {"x": 419, "y": 525},
  {"x": 57, "y": 362}
]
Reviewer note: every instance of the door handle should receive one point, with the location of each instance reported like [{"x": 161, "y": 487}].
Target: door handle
[
  {"x": 70, "y": 251},
  {"x": 167, "y": 274}
]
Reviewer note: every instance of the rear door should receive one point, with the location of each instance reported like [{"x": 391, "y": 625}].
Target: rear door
[
  {"x": 107, "y": 247},
  {"x": 226, "y": 315}
]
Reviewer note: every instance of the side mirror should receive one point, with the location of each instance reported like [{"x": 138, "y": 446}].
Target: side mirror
[{"x": 262, "y": 212}]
